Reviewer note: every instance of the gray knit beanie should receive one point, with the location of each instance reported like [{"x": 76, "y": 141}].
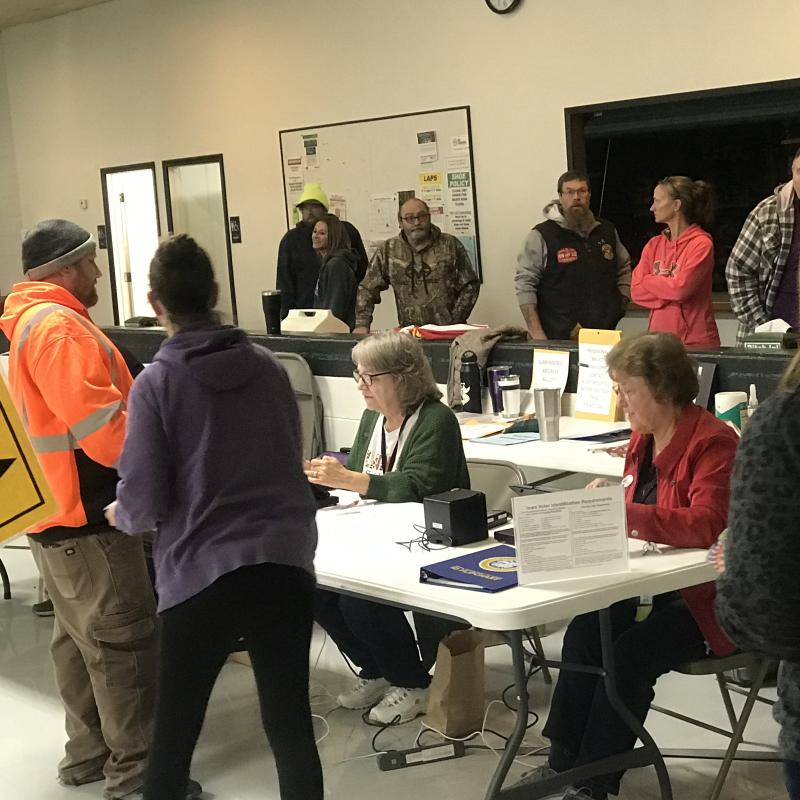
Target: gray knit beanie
[{"x": 53, "y": 244}]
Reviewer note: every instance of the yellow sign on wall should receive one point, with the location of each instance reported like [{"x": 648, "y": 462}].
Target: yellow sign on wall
[
  {"x": 25, "y": 496},
  {"x": 430, "y": 178}
]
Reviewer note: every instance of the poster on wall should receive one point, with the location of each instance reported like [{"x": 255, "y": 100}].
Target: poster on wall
[
  {"x": 428, "y": 149},
  {"x": 337, "y": 205},
  {"x": 382, "y": 215},
  {"x": 460, "y": 209},
  {"x": 431, "y": 192}
]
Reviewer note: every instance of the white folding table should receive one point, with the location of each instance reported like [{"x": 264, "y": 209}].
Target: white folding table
[
  {"x": 565, "y": 455},
  {"x": 361, "y": 552}
]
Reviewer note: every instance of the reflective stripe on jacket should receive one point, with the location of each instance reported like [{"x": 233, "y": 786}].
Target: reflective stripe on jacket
[{"x": 70, "y": 385}]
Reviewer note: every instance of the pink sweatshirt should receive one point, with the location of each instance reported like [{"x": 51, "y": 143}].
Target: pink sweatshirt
[{"x": 673, "y": 280}]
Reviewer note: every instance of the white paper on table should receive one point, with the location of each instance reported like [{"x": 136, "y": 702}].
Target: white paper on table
[
  {"x": 773, "y": 326},
  {"x": 571, "y": 534},
  {"x": 479, "y": 430},
  {"x": 550, "y": 369}
]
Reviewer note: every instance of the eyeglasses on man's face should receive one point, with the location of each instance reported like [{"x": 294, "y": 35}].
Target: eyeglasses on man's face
[
  {"x": 412, "y": 218},
  {"x": 367, "y": 377},
  {"x": 582, "y": 192}
]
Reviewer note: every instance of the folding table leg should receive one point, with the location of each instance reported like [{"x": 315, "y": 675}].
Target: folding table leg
[
  {"x": 521, "y": 724},
  {"x": 610, "y": 684}
]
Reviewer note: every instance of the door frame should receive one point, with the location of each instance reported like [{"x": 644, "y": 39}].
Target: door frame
[
  {"x": 151, "y": 165},
  {"x": 215, "y": 158}
]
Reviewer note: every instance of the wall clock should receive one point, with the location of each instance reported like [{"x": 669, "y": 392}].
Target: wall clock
[{"x": 503, "y": 6}]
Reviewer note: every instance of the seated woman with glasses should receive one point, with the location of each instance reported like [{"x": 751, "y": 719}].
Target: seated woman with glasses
[
  {"x": 408, "y": 446},
  {"x": 673, "y": 276},
  {"x": 676, "y": 476},
  {"x": 337, "y": 283}
]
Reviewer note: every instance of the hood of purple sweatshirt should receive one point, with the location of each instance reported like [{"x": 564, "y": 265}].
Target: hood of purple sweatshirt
[{"x": 221, "y": 357}]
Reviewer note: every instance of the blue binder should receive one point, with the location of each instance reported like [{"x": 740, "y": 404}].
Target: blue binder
[{"x": 490, "y": 570}]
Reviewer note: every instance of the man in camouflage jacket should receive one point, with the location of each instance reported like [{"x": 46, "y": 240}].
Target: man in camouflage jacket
[{"x": 430, "y": 273}]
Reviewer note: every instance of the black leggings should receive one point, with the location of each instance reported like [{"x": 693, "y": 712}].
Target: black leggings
[
  {"x": 582, "y": 726},
  {"x": 271, "y": 607}
]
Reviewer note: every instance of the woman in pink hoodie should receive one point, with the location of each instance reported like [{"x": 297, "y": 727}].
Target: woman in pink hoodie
[{"x": 673, "y": 276}]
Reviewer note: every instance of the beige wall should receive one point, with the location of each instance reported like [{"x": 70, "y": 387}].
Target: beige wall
[
  {"x": 140, "y": 80},
  {"x": 10, "y": 220}
]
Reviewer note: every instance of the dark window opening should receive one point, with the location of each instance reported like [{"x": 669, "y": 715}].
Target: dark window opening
[{"x": 740, "y": 140}]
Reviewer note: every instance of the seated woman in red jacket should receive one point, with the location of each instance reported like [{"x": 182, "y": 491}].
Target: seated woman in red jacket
[
  {"x": 676, "y": 478},
  {"x": 673, "y": 276}
]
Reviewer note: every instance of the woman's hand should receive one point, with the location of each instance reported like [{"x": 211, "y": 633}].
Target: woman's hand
[
  {"x": 111, "y": 514},
  {"x": 328, "y": 471},
  {"x": 598, "y": 483}
]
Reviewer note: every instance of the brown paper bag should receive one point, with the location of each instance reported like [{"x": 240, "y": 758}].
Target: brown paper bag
[{"x": 455, "y": 699}]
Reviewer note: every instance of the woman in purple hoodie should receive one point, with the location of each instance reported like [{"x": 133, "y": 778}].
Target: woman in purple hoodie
[{"x": 212, "y": 461}]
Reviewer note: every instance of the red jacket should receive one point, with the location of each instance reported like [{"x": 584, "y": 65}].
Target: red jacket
[
  {"x": 673, "y": 279},
  {"x": 692, "y": 508}
]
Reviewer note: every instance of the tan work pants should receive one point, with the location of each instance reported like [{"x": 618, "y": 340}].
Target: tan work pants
[{"x": 104, "y": 653}]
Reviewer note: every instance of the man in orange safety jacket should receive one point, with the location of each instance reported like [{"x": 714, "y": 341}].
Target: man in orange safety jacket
[{"x": 70, "y": 385}]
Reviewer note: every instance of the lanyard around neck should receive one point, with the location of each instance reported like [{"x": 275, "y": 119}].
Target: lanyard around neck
[{"x": 387, "y": 466}]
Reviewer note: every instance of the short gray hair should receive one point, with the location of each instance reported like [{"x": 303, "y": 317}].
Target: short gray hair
[
  {"x": 403, "y": 356},
  {"x": 661, "y": 360}
]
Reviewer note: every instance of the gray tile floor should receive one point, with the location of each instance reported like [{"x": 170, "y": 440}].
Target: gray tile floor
[{"x": 234, "y": 763}]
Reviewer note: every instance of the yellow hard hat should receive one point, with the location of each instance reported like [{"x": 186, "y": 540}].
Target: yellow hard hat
[{"x": 312, "y": 192}]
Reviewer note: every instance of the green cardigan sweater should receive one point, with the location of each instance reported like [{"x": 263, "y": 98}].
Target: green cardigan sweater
[{"x": 432, "y": 460}]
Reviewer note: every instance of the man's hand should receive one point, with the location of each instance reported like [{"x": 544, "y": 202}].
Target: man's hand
[
  {"x": 598, "y": 483},
  {"x": 111, "y": 514},
  {"x": 361, "y": 329},
  {"x": 532, "y": 322}
]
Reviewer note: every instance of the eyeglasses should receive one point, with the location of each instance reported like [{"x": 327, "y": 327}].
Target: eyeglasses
[
  {"x": 575, "y": 192},
  {"x": 415, "y": 217},
  {"x": 624, "y": 392},
  {"x": 367, "y": 377}
]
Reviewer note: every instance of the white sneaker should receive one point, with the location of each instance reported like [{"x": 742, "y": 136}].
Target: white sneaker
[
  {"x": 364, "y": 693},
  {"x": 400, "y": 705}
]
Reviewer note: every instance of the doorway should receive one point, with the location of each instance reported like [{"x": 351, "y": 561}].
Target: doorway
[
  {"x": 197, "y": 205},
  {"x": 132, "y": 227}
]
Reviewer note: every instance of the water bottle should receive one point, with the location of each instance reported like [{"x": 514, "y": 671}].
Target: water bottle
[{"x": 471, "y": 399}]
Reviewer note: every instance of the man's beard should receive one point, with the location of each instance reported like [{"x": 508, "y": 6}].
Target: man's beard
[
  {"x": 579, "y": 218},
  {"x": 418, "y": 235}
]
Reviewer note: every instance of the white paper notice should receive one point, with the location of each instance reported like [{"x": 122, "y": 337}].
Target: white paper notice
[
  {"x": 459, "y": 143},
  {"x": 572, "y": 534},
  {"x": 428, "y": 148},
  {"x": 594, "y": 384},
  {"x": 550, "y": 369},
  {"x": 383, "y": 215},
  {"x": 337, "y": 205}
]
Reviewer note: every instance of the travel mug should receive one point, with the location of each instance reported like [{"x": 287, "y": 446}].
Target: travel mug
[
  {"x": 547, "y": 403},
  {"x": 493, "y": 375},
  {"x": 470, "y": 383},
  {"x": 509, "y": 390},
  {"x": 271, "y": 303}
]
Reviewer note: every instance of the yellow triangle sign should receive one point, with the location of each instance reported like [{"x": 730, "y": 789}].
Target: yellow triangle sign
[{"x": 25, "y": 496}]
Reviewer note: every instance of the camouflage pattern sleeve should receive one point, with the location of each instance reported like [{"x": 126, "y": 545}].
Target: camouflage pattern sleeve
[
  {"x": 369, "y": 290},
  {"x": 468, "y": 285}
]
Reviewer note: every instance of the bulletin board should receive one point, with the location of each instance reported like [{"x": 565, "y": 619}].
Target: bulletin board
[{"x": 369, "y": 167}]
